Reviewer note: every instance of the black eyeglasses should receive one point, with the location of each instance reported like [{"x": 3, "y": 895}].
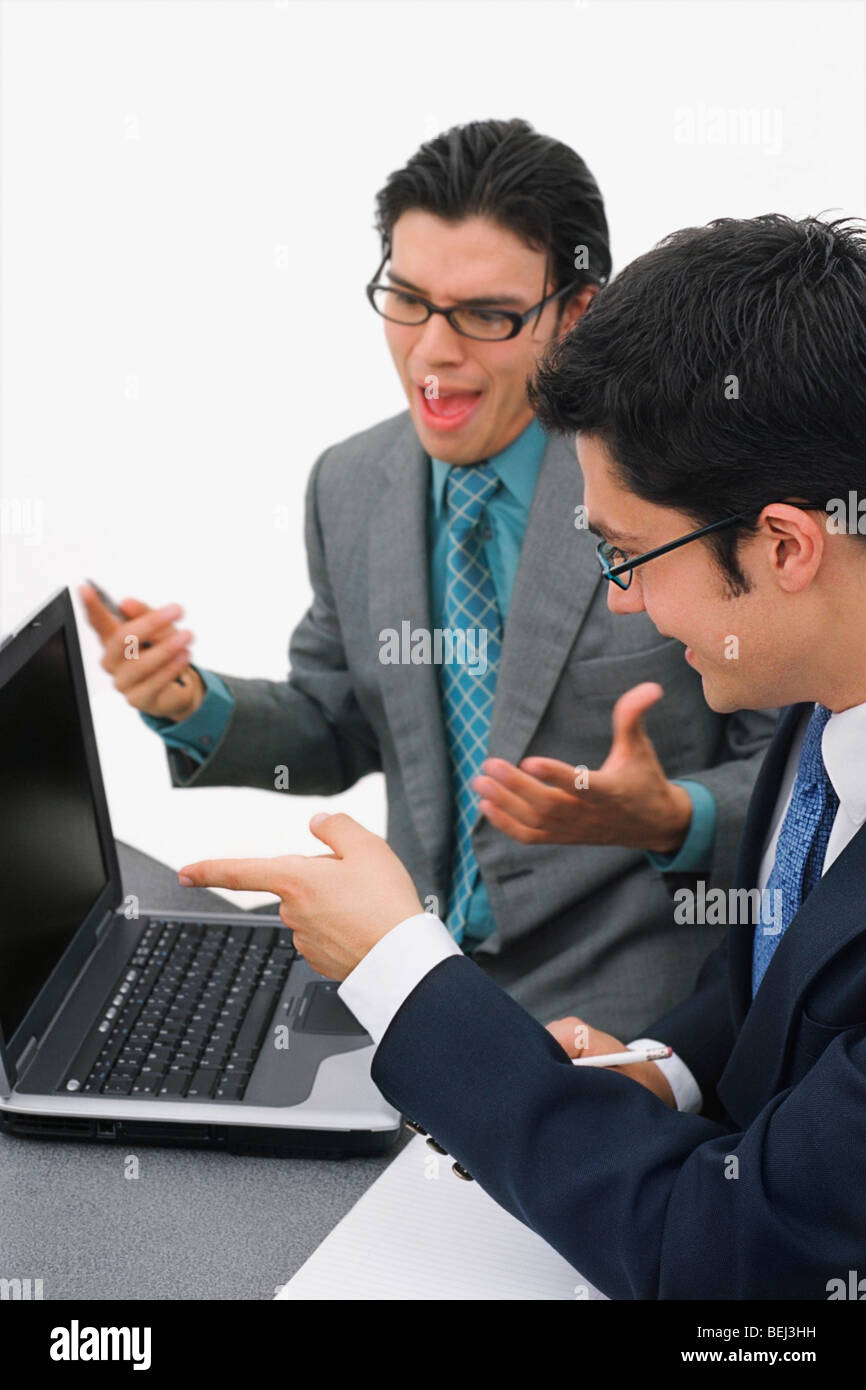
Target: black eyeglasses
[
  {"x": 620, "y": 574},
  {"x": 490, "y": 325}
]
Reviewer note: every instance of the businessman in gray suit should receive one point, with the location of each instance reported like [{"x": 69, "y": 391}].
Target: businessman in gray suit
[{"x": 459, "y": 638}]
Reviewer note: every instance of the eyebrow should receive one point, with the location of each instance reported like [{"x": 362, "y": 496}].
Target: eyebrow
[
  {"x": 491, "y": 301},
  {"x": 598, "y": 528}
]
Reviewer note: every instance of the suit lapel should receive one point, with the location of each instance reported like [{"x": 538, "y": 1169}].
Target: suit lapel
[
  {"x": 556, "y": 579},
  {"x": 399, "y": 593},
  {"x": 823, "y": 927},
  {"x": 828, "y": 920}
]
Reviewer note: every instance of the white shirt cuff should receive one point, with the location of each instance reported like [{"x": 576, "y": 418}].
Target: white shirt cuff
[
  {"x": 388, "y": 973},
  {"x": 687, "y": 1092}
]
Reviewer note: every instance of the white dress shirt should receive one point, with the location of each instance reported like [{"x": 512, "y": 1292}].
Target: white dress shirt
[{"x": 387, "y": 975}]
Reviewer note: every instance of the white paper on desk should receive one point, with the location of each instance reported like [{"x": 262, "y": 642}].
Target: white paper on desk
[{"x": 417, "y": 1236}]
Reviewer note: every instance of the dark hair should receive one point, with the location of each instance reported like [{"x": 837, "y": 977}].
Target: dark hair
[
  {"x": 504, "y": 170},
  {"x": 723, "y": 370}
]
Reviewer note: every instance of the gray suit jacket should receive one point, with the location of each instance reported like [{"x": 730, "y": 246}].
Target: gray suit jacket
[{"x": 580, "y": 929}]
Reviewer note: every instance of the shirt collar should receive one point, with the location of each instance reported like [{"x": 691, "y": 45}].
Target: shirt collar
[
  {"x": 516, "y": 465},
  {"x": 842, "y": 745}
]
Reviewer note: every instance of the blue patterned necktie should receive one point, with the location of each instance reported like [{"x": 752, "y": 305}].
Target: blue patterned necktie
[
  {"x": 802, "y": 842},
  {"x": 468, "y": 687}
]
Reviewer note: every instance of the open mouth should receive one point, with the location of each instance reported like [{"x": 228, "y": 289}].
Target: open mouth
[{"x": 448, "y": 409}]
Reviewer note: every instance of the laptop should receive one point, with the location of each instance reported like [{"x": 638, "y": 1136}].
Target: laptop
[{"x": 119, "y": 1024}]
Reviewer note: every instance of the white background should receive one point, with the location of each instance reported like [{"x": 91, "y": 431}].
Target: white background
[{"x": 186, "y": 210}]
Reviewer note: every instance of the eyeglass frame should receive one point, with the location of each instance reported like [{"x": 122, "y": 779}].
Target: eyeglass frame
[
  {"x": 518, "y": 320},
  {"x": 610, "y": 572}
]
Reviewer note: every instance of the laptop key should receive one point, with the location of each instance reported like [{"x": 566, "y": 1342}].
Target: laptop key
[
  {"x": 264, "y": 936},
  {"x": 127, "y": 1066},
  {"x": 146, "y": 1086},
  {"x": 187, "y": 1065},
  {"x": 191, "y": 931},
  {"x": 110, "y": 1050},
  {"x": 203, "y": 1082},
  {"x": 230, "y": 1090},
  {"x": 175, "y": 1084},
  {"x": 121, "y": 1087}
]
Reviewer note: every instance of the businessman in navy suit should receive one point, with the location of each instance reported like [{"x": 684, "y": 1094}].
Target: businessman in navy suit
[{"x": 717, "y": 392}]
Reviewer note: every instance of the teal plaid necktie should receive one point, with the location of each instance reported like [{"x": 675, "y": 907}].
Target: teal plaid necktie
[{"x": 468, "y": 687}]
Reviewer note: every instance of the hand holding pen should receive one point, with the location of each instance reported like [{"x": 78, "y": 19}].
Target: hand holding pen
[{"x": 590, "y": 1047}]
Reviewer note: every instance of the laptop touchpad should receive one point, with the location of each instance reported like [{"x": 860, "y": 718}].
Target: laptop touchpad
[{"x": 323, "y": 1011}]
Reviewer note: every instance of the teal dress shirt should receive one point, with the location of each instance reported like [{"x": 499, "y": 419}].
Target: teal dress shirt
[{"x": 507, "y": 514}]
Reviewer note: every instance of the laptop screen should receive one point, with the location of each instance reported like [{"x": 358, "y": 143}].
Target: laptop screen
[{"x": 52, "y": 868}]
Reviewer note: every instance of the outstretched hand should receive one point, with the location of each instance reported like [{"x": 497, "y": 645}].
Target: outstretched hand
[{"x": 627, "y": 801}]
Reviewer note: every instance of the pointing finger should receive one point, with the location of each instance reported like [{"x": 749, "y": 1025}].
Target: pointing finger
[{"x": 261, "y": 875}]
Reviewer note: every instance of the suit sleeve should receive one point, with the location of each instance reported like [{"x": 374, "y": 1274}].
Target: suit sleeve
[
  {"x": 642, "y": 1200},
  {"x": 310, "y": 724}
]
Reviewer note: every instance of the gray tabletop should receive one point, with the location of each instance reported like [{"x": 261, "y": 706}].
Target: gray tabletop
[{"x": 193, "y": 1224}]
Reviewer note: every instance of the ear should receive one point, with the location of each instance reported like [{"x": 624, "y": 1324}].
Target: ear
[
  {"x": 577, "y": 306},
  {"x": 797, "y": 542}
]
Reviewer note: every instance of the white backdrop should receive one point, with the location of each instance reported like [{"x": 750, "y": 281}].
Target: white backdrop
[{"x": 186, "y": 209}]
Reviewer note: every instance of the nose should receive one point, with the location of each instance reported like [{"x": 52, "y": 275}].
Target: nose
[
  {"x": 438, "y": 342},
  {"x": 628, "y": 600}
]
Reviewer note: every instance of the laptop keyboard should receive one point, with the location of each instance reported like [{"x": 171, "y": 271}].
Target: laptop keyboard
[{"x": 188, "y": 1015}]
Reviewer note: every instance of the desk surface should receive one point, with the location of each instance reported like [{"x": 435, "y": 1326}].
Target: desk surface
[{"x": 193, "y": 1224}]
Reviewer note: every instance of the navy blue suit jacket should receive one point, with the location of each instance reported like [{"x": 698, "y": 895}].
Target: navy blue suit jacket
[{"x": 645, "y": 1201}]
